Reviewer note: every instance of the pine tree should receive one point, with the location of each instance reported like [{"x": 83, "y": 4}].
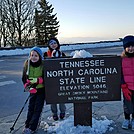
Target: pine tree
[{"x": 46, "y": 24}]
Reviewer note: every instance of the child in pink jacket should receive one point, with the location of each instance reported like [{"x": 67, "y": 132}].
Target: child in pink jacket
[{"x": 127, "y": 84}]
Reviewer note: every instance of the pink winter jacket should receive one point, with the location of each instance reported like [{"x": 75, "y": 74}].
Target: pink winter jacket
[{"x": 128, "y": 71}]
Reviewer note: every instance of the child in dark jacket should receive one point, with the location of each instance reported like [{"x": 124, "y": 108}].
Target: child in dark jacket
[
  {"x": 33, "y": 81},
  {"x": 54, "y": 51},
  {"x": 128, "y": 81}
]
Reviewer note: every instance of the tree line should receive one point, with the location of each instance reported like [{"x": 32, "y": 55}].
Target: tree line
[{"x": 27, "y": 22}]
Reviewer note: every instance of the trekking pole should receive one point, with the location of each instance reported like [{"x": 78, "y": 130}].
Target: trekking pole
[{"x": 12, "y": 128}]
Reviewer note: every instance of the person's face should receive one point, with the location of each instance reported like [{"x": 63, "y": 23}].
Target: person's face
[
  {"x": 130, "y": 49},
  {"x": 53, "y": 45},
  {"x": 34, "y": 57}
]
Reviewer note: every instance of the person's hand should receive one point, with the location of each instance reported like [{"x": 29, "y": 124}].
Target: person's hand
[
  {"x": 32, "y": 90},
  {"x": 30, "y": 86},
  {"x": 56, "y": 53},
  {"x": 40, "y": 80},
  {"x": 33, "y": 80},
  {"x": 126, "y": 92},
  {"x": 27, "y": 84}
]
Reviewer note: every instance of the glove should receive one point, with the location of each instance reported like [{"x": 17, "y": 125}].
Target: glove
[
  {"x": 126, "y": 92},
  {"x": 32, "y": 90},
  {"x": 36, "y": 80},
  {"x": 56, "y": 53},
  {"x": 31, "y": 84},
  {"x": 30, "y": 87},
  {"x": 27, "y": 84},
  {"x": 32, "y": 80},
  {"x": 40, "y": 80}
]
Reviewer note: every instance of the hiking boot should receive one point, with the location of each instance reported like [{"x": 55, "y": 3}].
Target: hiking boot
[
  {"x": 55, "y": 117},
  {"x": 62, "y": 115},
  {"x": 125, "y": 124},
  {"x": 132, "y": 124},
  {"x": 27, "y": 131}
]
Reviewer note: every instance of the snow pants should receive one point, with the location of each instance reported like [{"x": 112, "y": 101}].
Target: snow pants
[{"x": 36, "y": 103}]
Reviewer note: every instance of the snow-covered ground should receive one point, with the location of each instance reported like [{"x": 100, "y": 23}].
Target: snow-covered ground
[
  {"x": 63, "y": 48},
  {"x": 66, "y": 126}
]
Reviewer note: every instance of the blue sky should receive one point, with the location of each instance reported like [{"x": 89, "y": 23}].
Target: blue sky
[{"x": 93, "y": 20}]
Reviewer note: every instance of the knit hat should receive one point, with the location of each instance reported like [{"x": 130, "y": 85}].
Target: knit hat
[
  {"x": 53, "y": 40},
  {"x": 128, "y": 41},
  {"x": 38, "y": 50}
]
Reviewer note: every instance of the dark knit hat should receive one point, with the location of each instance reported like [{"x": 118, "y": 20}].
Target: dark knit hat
[
  {"x": 52, "y": 40},
  {"x": 38, "y": 50},
  {"x": 128, "y": 41}
]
